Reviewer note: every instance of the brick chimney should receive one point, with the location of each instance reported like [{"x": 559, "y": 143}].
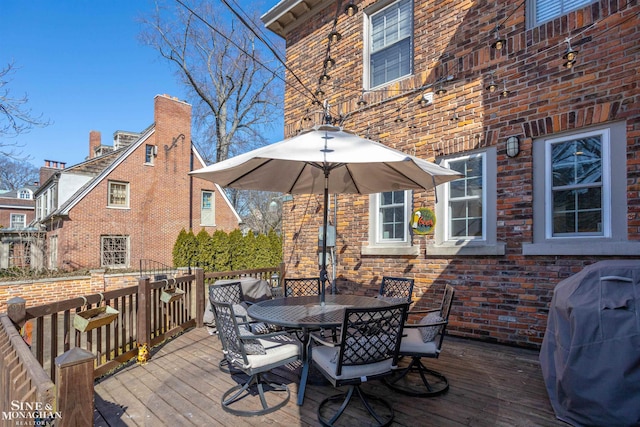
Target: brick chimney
[
  {"x": 50, "y": 167},
  {"x": 95, "y": 141}
]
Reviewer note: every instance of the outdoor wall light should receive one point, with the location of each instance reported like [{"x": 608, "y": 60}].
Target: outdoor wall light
[
  {"x": 351, "y": 9},
  {"x": 334, "y": 36},
  {"x": 570, "y": 55},
  {"x": 513, "y": 146}
]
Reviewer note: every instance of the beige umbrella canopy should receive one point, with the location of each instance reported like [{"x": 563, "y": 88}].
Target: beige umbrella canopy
[{"x": 323, "y": 160}]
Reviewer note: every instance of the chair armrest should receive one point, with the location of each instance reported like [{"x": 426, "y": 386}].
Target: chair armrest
[
  {"x": 322, "y": 340},
  {"x": 423, "y": 325},
  {"x": 260, "y": 336}
]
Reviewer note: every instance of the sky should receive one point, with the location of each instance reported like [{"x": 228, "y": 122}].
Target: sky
[{"x": 82, "y": 67}]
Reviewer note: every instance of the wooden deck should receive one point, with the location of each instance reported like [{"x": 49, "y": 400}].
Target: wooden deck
[{"x": 490, "y": 385}]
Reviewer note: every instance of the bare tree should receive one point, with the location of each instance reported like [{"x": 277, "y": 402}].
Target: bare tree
[
  {"x": 15, "y": 117},
  {"x": 234, "y": 95},
  {"x": 261, "y": 211},
  {"x": 15, "y": 174}
]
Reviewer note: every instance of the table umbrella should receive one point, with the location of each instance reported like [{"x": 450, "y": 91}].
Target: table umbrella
[{"x": 326, "y": 159}]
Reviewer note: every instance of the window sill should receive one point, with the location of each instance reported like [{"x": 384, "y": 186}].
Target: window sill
[
  {"x": 585, "y": 247},
  {"x": 391, "y": 250},
  {"x": 466, "y": 249},
  {"x": 118, "y": 207}
]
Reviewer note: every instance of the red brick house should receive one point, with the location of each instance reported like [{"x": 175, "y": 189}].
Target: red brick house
[
  {"x": 17, "y": 210},
  {"x": 548, "y": 142},
  {"x": 128, "y": 202}
]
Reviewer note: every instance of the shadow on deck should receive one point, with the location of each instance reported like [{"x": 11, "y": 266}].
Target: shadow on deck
[{"x": 491, "y": 385}]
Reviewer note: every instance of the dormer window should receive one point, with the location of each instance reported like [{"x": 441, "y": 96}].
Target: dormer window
[{"x": 25, "y": 194}]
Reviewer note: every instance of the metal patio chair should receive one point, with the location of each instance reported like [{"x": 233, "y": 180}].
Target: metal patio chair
[
  {"x": 253, "y": 355},
  {"x": 368, "y": 350},
  {"x": 396, "y": 288},
  {"x": 299, "y": 287},
  {"x": 423, "y": 340}
]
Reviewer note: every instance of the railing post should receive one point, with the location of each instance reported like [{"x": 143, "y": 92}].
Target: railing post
[
  {"x": 17, "y": 311},
  {"x": 144, "y": 311},
  {"x": 74, "y": 388},
  {"x": 200, "y": 297}
]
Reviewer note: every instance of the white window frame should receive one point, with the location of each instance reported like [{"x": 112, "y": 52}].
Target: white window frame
[
  {"x": 125, "y": 205},
  {"x": 13, "y": 220},
  {"x": 564, "y": 6},
  {"x": 483, "y": 198},
  {"x": 149, "y": 154},
  {"x": 25, "y": 194},
  {"x": 127, "y": 251},
  {"x": 605, "y": 185},
  {"x": 376, "y": 244},
  {"x": 613, "y": 242},
  {"x": 443, "y": 244},
  {"x": 369, "y": 13},
  {"x": 208, "y": 215}
]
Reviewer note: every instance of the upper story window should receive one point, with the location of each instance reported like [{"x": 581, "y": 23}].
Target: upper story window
[
  {"x": 580, "y": 193},
  {"x": 47, "y": 202},
  {"x": 207, "y": 209},
  {"x": 541, "y": 11},
  {"x": 18, "y": 221},
  {"x": 118, "y": 194},
  {"x": 25, "y": 194},
  {"x": 149, "y": 153},
  {"x": 389, "y": 42}
]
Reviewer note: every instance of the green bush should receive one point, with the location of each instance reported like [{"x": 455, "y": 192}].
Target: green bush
[{"x": 225, "y": 252}]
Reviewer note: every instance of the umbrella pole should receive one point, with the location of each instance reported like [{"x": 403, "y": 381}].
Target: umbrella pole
[{"x": 325, "y": 214}]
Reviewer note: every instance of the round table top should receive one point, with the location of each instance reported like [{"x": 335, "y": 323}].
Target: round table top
[{"x": 307, "y": 312}]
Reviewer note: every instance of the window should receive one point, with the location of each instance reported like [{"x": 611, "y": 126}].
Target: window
[
  {"x": 149, "y": 154},
  {"x": 17, "y": 221},
  {"x": 466, "y": 199},
  {"x": 580, "y": 194},
  {"x": 466, "y": 212},
  {"x": 114, "y": 251},
  {"x": 118, "y": 194},
  {"x": 389, "y": 40},
  {"x": 24, "y": 194},
  {"x": 389, "y": 214},
  {"x": 541, "y": 11},
  {"x": 576, "y": 203},
  {"x": 207, "y": 209}
]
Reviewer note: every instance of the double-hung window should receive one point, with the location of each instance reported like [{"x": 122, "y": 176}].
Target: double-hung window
[
  {"x": 466, "y": 213},
  {"x": 580, "y": 193},
  {"x": 389, "y": 214},
  {"x": 18, "y": 221},
  {"x": 118, "y": 194},
  {"x": 389, "y": 41},
  {"x": 541, "y": 11}
]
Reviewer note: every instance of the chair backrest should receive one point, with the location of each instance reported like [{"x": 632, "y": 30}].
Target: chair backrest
[
  {"x": 229, "y": 332},
  {"x": 228, "y": 292},
  {"x": 300, "y": 287},
  {"x": 370, "y": 335},
  {"x": 445, "y": 310},
  {"x": 396, "y": 287}
]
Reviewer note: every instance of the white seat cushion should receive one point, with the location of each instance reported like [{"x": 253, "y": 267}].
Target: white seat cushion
[
  {"x": 412, "y": 343},
  {"x": 276, "y": 350},
  {"x": 323, "y": 355}
]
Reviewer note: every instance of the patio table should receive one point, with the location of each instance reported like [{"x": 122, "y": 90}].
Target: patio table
[{"x": 306, "y": 313}]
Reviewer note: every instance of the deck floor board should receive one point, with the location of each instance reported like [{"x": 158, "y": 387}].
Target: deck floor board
[{"x": 181, "y": 385}]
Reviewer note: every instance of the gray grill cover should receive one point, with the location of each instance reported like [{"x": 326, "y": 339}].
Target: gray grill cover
[{"x": 590, "y": 355}]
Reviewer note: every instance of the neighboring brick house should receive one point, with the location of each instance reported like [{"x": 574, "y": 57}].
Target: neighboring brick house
[
  {"x": 128, "y": 202},
  {"x": 17, "y": 210},
  {"x": 419, "y": 77}
]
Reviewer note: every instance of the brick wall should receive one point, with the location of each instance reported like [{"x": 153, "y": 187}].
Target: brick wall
[{"x": 499, "y": 298}]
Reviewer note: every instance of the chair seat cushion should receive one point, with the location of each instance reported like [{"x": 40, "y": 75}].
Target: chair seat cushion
[
  {"x": 429, "y": 332},
  {"x": 323, "y": 355},
  {"x": 276, "y": 350},
  {"x": 412, "y": 344}
]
